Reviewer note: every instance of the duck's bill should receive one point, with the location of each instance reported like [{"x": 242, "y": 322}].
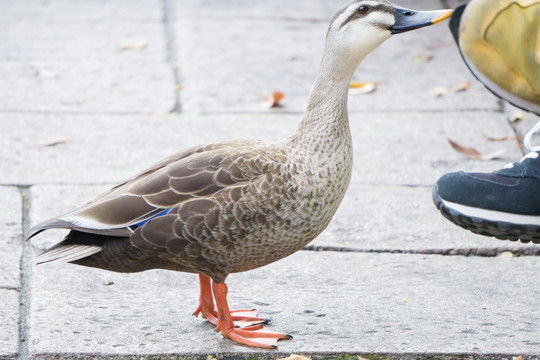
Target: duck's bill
[{"x": 407, "y": 19}]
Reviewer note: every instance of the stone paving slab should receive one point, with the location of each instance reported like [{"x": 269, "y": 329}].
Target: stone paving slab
[
  {"x": 327, "y": 301},
  {"x": 261, "y": 54},
  {"x": 11, "y": 230},
  {"x": 46, "y": 39},
  {"x": 10, "y": 258},
  {"x": 81, "y": 10},
  {"x": 412, "y": 148},
  {"x": 81, "y": 86},
  {"x": 302, "y": 9},
  {"x": 400, "y": 217},
  {"x": 9, "y": 326},
  {"x": 55, "y": 58},
  {"x": 393, "y": 148},
  {"x": 109, "y": 149}
]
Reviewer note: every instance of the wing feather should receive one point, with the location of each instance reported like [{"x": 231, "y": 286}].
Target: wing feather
[{"x": 194, "y": 173}]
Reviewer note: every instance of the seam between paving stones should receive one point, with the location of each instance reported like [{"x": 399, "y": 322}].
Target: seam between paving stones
[
  {"x": 170, "y": 45},
  {"x": 323, "y": 355},
  {"x": 466, "y": 252},
  {"x": 26, "y": 270},
  {"x": 226, "y": 112}
]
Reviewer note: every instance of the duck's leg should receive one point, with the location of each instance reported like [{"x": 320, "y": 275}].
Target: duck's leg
[
  {"x": 207, "y": 309},
  {"x": 206, "y": 301},
  {"x": 267, "y": 340}
]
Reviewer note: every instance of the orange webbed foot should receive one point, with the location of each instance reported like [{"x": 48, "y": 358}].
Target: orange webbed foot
[
  {"x": 241, "y": 318},
  {"x": 241, "y": 326},
  {"x": 252, "y": 335}
]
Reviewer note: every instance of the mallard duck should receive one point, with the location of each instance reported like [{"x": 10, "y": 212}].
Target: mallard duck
[{"x": 238, "y": 205}]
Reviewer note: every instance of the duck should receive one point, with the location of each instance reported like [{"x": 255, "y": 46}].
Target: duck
[{"x": 233, "y": 206}]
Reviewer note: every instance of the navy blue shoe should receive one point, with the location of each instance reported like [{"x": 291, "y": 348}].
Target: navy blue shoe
[{"x": 504, "y": 204}]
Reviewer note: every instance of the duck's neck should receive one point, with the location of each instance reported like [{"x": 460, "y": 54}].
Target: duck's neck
[{"x": 325, "y": 119}]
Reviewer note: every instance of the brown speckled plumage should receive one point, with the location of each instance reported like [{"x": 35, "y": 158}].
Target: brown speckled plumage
[{"x": 236, "y": 205}]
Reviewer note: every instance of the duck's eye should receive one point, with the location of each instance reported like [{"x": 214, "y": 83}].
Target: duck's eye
[{"x": 363, "y": 9}]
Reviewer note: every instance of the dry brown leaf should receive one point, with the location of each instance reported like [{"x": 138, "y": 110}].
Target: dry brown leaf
[
  {"x": 270, "y": 101},
  {"x": 438, "y": 91},
  {"x": 501, "y": 138},
  {"x": 360, "y": 88},
  {"x": 517, "y": 357},
  {"x": 295, "y": 357},
  {"x": 132, "y": 44},
  {"x": 462, "y": 86},
  {"x": 474, "y": 154},
  {"x": 56, "y": 141},
  {"x": 436, "y": 46}
]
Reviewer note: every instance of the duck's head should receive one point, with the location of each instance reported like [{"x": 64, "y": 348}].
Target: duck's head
[{"x": 362, "y": 25}]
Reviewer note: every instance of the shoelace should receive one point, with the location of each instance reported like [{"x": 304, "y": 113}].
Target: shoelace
[{"x": 533, "y": 150}]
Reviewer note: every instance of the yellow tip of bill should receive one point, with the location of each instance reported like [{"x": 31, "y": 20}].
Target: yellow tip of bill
[{"x": 443, "y": 15}]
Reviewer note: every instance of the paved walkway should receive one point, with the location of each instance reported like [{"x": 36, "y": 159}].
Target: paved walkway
[{"x": 121, "y": 84}]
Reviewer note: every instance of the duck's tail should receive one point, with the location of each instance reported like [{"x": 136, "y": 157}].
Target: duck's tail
[
  {"x": 106, "y": 252},
  {"x": 74, "y": 247}
]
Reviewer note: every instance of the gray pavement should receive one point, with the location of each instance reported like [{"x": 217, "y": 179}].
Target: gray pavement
[{"x": 378, "y": 283}]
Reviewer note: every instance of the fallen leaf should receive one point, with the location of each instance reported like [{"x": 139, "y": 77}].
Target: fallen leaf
[
  {"x": 518, "y": 116},
  {"x": 474, "y": 154},
  {"x": 438, "y": 91},
  {"x": 295, "y": 357},
  {"x": 507, "y": 254},
  {"x": 422, "y": 58},
  {"x": 436, "y": 46},
  {"x": 360, "y": 88},
  {"x": 132, "y": 44},
  {"x": 55, "y": 141},
  {"x": 270, "y": 101},
  {"x": 462, "y": 86},
  {"x": 500, "y": 138},
  {"x": 108, "y": 283},
  {"x": 517, "y": 357}
]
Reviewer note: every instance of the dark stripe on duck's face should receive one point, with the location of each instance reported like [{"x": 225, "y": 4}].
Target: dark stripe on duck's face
[{"x": 356, "y": 14}]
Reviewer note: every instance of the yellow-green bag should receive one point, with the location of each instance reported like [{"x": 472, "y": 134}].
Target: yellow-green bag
[{"x": 500, "y": 43}]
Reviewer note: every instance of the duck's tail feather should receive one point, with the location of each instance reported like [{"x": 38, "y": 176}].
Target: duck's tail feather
[
  {"x": 104, "y": 252},
  {"x": 65, "y": 252},
  {"x": 75, "y": 246}
]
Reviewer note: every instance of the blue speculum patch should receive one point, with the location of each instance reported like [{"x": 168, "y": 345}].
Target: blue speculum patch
[{"x": 164, "y": 212}]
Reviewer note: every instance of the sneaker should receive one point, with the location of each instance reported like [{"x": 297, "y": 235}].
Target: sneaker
[
  {"x": 504, "y": 204},
  {"x": 499, "y": 42}
]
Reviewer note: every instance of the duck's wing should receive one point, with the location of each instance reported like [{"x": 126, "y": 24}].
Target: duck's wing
[{"x": 194, "y": 173}]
